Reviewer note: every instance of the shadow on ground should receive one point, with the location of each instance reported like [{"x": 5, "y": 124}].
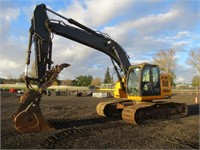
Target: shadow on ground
[
  {"x": 64, "y": 123},
  {"x": 193, "y": 109}
]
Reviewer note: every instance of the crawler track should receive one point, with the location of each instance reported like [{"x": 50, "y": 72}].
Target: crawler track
[
  {"x": 139, "y": 113},
  {"x": 144, "y": 112},
  {"x": 67, "y": 123},
  {"x": 78, "y": 128},
  {"x": 109, "y": 108}
]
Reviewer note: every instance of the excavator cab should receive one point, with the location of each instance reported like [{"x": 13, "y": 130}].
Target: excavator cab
[{"x": 144, "y": 82}]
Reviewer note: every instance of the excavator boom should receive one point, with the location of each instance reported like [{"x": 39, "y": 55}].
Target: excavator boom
[
  {"x": 42, "y": 27},
  {"x": 28, "y": 117}
]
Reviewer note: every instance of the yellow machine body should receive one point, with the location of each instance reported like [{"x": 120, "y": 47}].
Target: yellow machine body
[
  {"x": 119, "y": 92},
  {"x": 151, "y": 85}
]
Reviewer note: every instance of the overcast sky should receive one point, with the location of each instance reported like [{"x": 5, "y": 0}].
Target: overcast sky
[{"x": 141, "y": 27}]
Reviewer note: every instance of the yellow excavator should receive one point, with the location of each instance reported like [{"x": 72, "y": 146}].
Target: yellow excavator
[{"x": 136, "y": 91}]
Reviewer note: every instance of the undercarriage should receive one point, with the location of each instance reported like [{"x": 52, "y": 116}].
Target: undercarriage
[
  {"x": 29, "y": 118},
  {"x": 142, "y": 112}
]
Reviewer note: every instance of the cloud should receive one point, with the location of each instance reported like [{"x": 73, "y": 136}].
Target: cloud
[
  {"x": 180, "y": 79},
  {"x": 8, "y": 12},
  {"x": 92, "y": 14},
  {"x": 11, "y": 50},
  {"x": 178, "y": 46},
  {"x": 173, "y": 20},
  {"x": 95, "y": 13},
  {"x": 65, "y": 49},
  {"x": 182, "y": 34},
  {"x": 172, "y": 29},
  {"x": 7, "y": 65},
  {"x": 155, "y": 23},
  {"x": 142, "y": 28},
  {"x": 140, "y": 61},
  {"x": 184, "y": 74},
  {"x": 83, "y": 59}
]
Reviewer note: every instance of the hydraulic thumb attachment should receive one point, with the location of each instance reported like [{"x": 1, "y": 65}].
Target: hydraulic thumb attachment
[{"x": 28, "y": 117}]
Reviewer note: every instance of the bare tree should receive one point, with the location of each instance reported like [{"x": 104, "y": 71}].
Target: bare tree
[
  {"x": 194, "y": 59},
  {"x": 21, "y": 78},
  {"x": 9, "y": 76},
  {"x": 66, "y": 82},
  {"x": 96, "y": 82},
  {"x": 167, "y": 61}
]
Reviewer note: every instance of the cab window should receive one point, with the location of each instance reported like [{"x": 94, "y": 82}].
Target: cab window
[
  {"x": 150, "y": 81},
  {"x": 156, "y": 80},
  {"x": 133, "y": 82}
]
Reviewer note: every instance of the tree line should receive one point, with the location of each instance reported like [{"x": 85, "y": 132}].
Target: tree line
[
  {"x": 82, "y": 80},
  {"x": 86, "y": 80},
  {"x": 165, "y": 59}
]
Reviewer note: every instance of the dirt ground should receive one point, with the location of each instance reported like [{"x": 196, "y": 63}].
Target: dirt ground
[{"x": 80, "y": 127}]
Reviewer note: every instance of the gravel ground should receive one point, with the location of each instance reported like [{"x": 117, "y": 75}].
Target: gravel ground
[{"x": 82, "y": 128}]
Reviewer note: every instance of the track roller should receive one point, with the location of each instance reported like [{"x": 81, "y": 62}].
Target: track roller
[{"x": 144, "y": 112}]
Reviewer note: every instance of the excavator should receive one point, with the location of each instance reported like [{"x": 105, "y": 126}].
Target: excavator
[{"x": 137, "y": 91}]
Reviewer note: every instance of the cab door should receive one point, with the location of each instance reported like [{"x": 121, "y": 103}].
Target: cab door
[{"x": 150, "y": 81}]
